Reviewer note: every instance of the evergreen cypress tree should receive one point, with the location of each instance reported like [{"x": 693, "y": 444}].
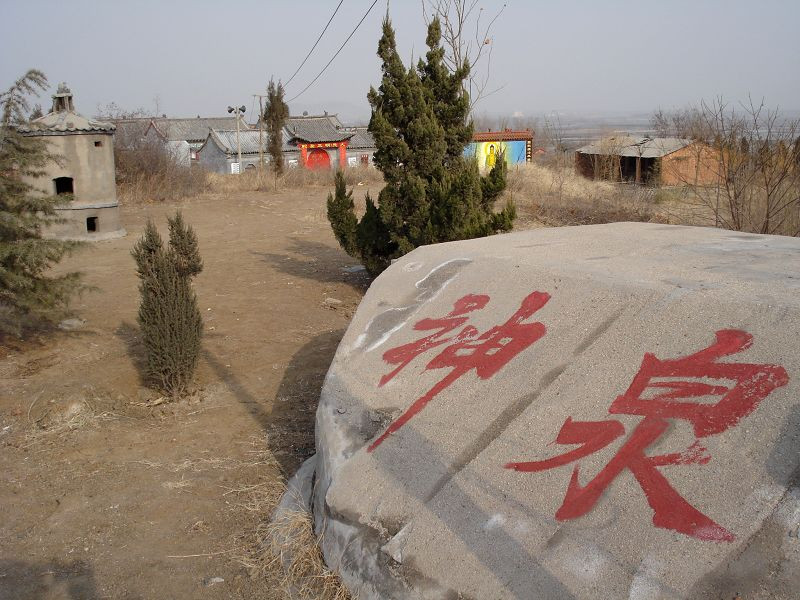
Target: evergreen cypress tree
[
  {"x": 28, "y": 297},
  {"x": 169, "y": 317},
  {"x": 341, "y": 215},
  {"x": 450, "y": 102},
  {"x": 275, "y": 114},
  {"x": 433, "y": 193},
  {"x": 183, "y": 242}
]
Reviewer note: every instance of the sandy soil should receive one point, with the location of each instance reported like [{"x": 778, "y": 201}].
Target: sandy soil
[{"x": 104, "y": 497}]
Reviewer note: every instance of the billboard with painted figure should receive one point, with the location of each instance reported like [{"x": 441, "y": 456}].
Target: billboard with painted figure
[{"x": 487, "y": 152}]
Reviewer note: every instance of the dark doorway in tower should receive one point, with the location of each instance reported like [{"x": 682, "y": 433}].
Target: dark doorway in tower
[{"x": 63, "y": 185}]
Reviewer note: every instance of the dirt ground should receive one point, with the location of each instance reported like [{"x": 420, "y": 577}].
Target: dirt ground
[{"x": 105, "y": 497}]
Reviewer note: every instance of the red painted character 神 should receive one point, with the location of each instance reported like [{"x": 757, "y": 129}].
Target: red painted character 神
[
  {"x": 467, "y": 350},
  {"x": 662, "y": 390}
]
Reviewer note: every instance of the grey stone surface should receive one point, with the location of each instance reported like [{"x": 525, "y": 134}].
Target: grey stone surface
[{"x": 433, "y": 512}]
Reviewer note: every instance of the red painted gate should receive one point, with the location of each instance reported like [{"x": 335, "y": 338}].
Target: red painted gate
[{"x": 318, "y": 159}]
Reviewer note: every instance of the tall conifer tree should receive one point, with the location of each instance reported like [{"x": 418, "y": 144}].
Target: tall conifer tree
[
  {"x": 29, "y": 295},
  {"x": 276, "y": 112},
  {"x": 433, "y": 193}
]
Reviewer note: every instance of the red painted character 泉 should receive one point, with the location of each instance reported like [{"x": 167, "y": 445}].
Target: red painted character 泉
[
  {"x": 465, "y": 351},
  {"x": 661, "y": 390}
]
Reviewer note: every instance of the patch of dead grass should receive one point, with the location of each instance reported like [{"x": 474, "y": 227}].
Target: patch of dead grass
[
  {"x": 294, "y": 178},
  {"x": 285, "y": 552},
  {"x": 51, "y": 420},
  {"x": 556, "y": 195}
]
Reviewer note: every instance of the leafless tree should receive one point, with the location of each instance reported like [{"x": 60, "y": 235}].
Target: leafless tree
[
  {"x": 114, "y": 112},
  {"x": 466, "y": 33},
  {"x": 753, "y": 157},
  {"x": 682, "y": 123}
]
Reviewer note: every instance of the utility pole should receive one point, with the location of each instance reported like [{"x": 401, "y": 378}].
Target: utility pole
[
  {"x": 239, "y": 111},
  {"x": 260, "y": 130}
]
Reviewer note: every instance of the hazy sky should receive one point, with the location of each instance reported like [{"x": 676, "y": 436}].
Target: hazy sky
[{"x": 199, "y": 56}]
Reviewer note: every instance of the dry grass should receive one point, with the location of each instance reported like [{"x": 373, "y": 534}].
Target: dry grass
[
  {"x": 146, "y": 172},
  {"x": 254, "y": 180},
  {"x": 555, "y": 195},
  {"x": 49, "y": 420},
  {"x": 284, "y": 553},
  {"x": 292, "y": 549},
  {"x": 175, "y": 184},
  {"x": 170, "y": 183}
]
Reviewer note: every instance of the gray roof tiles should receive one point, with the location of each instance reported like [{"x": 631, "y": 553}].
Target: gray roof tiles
[
  {"x": 194, "y": 130},
  {"x": 226, "y": 140},
  {"x": 361, "y": 140},
  {"x": 644, "y": 147},
  {"x": 65, "y": 122},
  {"x": 316, "y": 129},
  {"x": 311, "y": 129}
]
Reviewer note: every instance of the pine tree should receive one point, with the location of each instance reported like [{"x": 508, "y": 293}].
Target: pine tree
[
  {"x": 433, "y": 193},
  {"x": 275, "y": 115},
  {"x": 169, "y": 317},
  {"x": 29, "y": 297}
]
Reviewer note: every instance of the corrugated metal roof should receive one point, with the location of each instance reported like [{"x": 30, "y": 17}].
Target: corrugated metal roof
[
  {"x": 315, "y": 129},
  {"x": 644, "y": 147},
  {"x": 65, "y": 122},
  {"x": 507, "y": 135},
  {"x": 194, "y": 130}
]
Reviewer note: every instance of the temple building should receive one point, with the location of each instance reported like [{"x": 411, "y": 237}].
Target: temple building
[
  {"x": 312, "y": 142},
  {"x": 84, "y": 172}
]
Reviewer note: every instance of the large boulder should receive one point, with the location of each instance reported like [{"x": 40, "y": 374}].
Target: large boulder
[{"x": 607, "y": 411}]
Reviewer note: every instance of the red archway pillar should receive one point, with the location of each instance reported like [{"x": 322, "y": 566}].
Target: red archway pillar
[
  {"x": 343, "y": 155},
  {"x": 303, "y": 155}
]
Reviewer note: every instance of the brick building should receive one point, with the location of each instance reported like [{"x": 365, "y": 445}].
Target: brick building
[{"x": 648, "y": 160}]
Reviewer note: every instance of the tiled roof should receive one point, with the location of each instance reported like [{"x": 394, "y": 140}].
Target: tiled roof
[
  {"x": 226, "y": 140},
  {"x": 129, "y": 132},
  {"x": 193, "y": 130},
  {"x": 65, "y": 122},
  {"x": 644, "y": 147},
  {"x": 361, "y": 140},
  {"x": 507, "y": 135},
  {"x": 314, "y": 129}
]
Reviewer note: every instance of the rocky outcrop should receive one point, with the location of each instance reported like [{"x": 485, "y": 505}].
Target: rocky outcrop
[{"x": 604, "y": 411}]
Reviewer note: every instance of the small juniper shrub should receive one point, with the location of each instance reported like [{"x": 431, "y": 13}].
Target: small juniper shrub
[{"x": 169, "y": 317}]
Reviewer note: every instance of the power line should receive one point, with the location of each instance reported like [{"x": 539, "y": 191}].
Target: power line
[
  {"x": 315, "y": 45},
  {"x": 337, "y": 53}
]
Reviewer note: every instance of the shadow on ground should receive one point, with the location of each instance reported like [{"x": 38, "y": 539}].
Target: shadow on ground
[
  {"x": 319, "y": 262},
  {"x": 289, "y": 424},
  {"x": 22, "y": 580},
  {"x": 131, "y": 337}
]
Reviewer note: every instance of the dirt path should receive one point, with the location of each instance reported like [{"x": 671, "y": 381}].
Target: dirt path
[{"x": 103, "y": 497}]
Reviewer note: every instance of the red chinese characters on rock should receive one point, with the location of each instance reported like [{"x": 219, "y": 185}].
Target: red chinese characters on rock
[
  {"x": 662, "y": 390},
  {"x": 465, "y": 351}
]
